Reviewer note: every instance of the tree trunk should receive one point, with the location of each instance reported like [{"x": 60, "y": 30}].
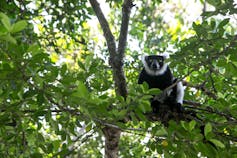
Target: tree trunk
[{"x": 112, "y": 135}]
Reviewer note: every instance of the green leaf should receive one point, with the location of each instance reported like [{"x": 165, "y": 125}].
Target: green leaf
[
  {"x": 183, "y": 124},
  {"x": 223, "y": 23},
  {"x": 161, "y": 132},
  {"x": 146, "y": 97},
  {"x": 88, "y": 127},
  {"x": 192, "y": 124},
  {"x": 214, "y": 2},
  {"x": 217, "y": 143},
  {"x": 213, "y": 23},
  {"x": 56, "y": 144},
  {"x": 37, "y": 155},
  {"x": 140, "y": 115},
  {"x": 63, "y": 135},
  {"x": 207, "y": 129},
  {"x": 154, "y": 91},
  {"x": 82, "y": 90},
  {"x": 144, "y": 86},
  {"x": 39, "y": 113},
  {"x": 209, "y": 13},
  {"x": 63, "y": 69},
  {"x": 20, "y": 25},
  {"x": 144, "y": 106},
  {"x": 40, "y": 98},
  {"x": 6, "y": 21},
  {"x": 122, "y": 113},
  {"x": 203, "y": 148},
  {"x": 8, "y": 38},
  {"x": 121, "y": 99},
  {"x": 88, "y": 62},
  {"x": 81, "y": 65},
  {"x": 33, "y": 48},
  {"x": 38, "y": 58}
]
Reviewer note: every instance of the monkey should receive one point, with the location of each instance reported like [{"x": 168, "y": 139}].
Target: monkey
[{"x": 157, "y": 74}]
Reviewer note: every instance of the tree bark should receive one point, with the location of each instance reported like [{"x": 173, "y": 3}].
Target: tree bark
[
  {"x": 112, "y": 136},
  {"x": 116, "y": 56}
]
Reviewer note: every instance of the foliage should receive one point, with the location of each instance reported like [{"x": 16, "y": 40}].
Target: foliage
[{"x": 53, "y": 108}]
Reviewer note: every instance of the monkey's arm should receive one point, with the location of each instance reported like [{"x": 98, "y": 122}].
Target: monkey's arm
[
  {"x": 180, "y": 93},
  {"x": 141, "y": 78}
]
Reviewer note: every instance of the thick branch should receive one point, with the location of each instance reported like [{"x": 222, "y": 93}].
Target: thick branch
[
  {"x": 117, "y": 60},
  {"x": 116, "y": 56},
  {"x": 105, "y": 27},
  {"x": 124, "y": 27}
]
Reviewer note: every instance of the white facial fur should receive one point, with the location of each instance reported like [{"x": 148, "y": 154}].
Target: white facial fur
[{"x": 154, "y": 72}]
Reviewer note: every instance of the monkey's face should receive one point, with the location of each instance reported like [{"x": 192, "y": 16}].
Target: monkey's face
[{"x": 154, "y": 62}]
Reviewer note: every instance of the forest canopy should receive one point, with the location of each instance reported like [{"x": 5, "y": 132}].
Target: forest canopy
[{"x": 69, "y": 72}]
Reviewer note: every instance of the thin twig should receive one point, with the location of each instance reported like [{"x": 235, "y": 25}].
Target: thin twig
[{"x": 213, "y": 111}]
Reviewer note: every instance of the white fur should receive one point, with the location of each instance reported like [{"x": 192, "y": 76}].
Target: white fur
[
  {"x": 165, "y": 55},
  {"x": 143, "y": 59},
  {"x": 180, "y": 93},
  {"x": 154, "y": 72}
]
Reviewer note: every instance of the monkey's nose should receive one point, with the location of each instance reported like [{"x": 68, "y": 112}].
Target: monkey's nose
[{"x": 154, "y": 66}]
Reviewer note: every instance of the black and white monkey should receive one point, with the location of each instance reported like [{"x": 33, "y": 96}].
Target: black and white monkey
[{"x": 156, "y": 73}]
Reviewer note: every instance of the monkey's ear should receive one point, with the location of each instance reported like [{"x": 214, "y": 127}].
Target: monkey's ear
[
  {"x": 165, "y": 55},
  {"x": 143, "y": 58}
]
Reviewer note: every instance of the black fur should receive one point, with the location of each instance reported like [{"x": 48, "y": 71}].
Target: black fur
[{"x": 160, "y": 80}]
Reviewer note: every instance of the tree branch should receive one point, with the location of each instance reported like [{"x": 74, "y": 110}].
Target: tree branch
[
  {"x": 127, "y": 5},
  {"x": 203, "y": 89},
  {"x": 116, "y": 56},
  {"x": 117, "y": 61},
  {"x": 105, "y": 27},
  {"x": 188, "y": 102},
  {"x": 211, "y": 110},
  {"x": 112, "y": 134}
]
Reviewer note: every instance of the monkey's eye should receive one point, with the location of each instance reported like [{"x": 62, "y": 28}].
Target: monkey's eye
[
  {"x": 150, "y": 60},
  {"x": 159, "y": 60}
]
